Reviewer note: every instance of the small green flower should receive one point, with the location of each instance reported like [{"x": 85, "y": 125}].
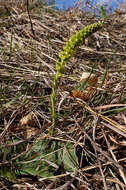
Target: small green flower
[{"x": 75, "y": 41}]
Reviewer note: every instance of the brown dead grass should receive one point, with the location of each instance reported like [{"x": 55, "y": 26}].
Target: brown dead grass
[{"x": 97, "y": 125}]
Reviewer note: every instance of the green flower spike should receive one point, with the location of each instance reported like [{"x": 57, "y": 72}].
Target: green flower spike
[{"x": 75, "y": 41}]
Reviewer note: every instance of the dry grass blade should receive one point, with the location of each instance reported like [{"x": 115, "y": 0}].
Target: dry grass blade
[
  {"x": 115, "y": 126},
  {"x": 94, "y": 128}
]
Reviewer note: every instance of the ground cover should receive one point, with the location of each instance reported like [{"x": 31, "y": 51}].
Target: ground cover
[{"x": 87, "y": 148}]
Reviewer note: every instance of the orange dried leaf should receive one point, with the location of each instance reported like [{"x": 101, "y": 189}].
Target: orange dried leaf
[{"x": 29, "y": 119}]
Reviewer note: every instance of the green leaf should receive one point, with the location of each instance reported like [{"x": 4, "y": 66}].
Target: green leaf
[
  {"x": 48, "y": 157},
  {"x": 103, "y": 13},
  {"x": 8, "y": 173},
  {"x": 70, "y": 159}
]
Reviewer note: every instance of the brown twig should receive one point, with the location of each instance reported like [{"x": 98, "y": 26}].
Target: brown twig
[{"x": 27, "y": 5}]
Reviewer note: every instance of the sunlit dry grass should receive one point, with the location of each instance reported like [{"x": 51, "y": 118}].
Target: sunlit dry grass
[{"x": 94, "y": 125}]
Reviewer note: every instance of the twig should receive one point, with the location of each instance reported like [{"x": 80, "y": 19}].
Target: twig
[{"x": 27, "y": 5}]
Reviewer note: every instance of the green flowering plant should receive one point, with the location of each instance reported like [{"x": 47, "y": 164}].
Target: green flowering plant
[{"x": 75, "y": 41}]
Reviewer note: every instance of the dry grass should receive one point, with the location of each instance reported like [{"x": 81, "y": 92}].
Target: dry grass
[{"x": 94, "y": 124}]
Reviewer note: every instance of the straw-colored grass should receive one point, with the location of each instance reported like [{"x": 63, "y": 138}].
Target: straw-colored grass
[{"x": 87, "y": 151}]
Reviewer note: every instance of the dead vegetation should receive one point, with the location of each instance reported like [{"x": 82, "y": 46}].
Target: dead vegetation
[{"x": 91, "y": 131}]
